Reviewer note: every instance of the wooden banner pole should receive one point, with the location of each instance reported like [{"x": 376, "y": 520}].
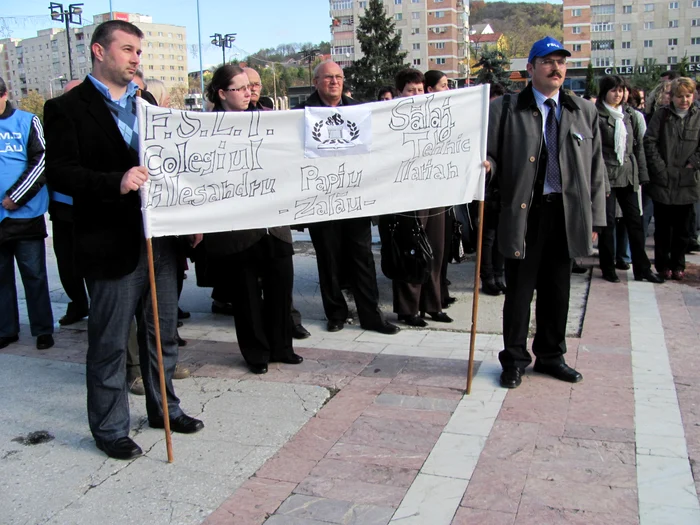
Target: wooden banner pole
[
  {"x": 475, "y": 301},
  {"x": 159, "y": 349}
]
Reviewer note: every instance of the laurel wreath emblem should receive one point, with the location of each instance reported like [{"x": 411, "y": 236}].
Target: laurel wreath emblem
[
  {"x": 316, "y": 132},
  {"x": 354, "y": 130}
]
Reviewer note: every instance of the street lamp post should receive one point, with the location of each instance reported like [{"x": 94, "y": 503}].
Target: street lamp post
[
  {"x": 61, "y": 78},
  {"x": 223, "y": 41},
  {"x": 309, "y": 55},
  {"x": 73, "y": 15}
]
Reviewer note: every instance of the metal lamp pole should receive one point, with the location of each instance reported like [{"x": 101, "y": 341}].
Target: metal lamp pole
[
  {"x": 223, "y": 41},
  {"x": 71, "y": 16}
]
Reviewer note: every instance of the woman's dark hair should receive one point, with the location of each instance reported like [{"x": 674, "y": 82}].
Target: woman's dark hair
[
  {"x": 408, "y": 76},
  {"x": 221, "y": 80},
  {"x": 497, "y": 90},
  {"x": 432, "y": 78},
  {"x": 635, "y": 98},
  {"x": 608, "y": 83},
  {"x": 387, "y": 89}
]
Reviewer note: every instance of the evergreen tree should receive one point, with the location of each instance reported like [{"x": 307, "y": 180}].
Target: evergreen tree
[
  {"x": 494, "y": 67},
  {"x": 591, "y": 84},
  {"x": 683, "y": 66},
  {"x": 380, "y": 44}
]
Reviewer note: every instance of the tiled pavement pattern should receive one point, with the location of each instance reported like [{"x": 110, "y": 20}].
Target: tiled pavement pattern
[{"x": 398, "y": 443}]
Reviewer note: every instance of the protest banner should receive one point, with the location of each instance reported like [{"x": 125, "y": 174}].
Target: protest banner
[{"x": 225, "y": 171}]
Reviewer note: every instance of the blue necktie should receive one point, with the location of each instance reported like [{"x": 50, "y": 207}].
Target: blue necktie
[{"x": 552, "y": 133}]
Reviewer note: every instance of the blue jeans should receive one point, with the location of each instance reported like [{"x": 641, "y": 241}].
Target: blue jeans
[
  {"x": 31, "y": 261},
  {"x": 113, "y": 304}
]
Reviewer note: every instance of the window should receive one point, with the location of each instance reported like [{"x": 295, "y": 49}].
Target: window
[
  {"x": 398, "y": 16},
  {"x": 342, "y": 50},
  {"x": 341, "y": 4},
  {"x": 160, "y": 33},
  {"x": 439, "y": 45},
  {"x": 602, "y": 61},
  {"x": 672, "y": 60},
  {"x": 626, "y": 9},
  {"x": 695, "y": 59},
  {"x": 179, "y": 36},
  {"x": 599, "y": 28},
  {"x": 416, "y": 61},
  {"x": 695, "y": 22},
  {"x": 672, "y": 41},
  {"x": 577, "y": 63},
  {"x": 626, "y": 62},
  {"x": 626, "y": 45},
  {"x": 415, "y": 1},
  {"x": 673, "y": 5},
  {"x": 575, "y": 12},
  {"x": 415, "y": 15},
  {"x": 415, "y": 30},
  {"x": 649, "y": 61},
  {"x": 602, "y": 45},
  {"x": 696, "y": 3},
  {"x": 576, "y": 30},
  {"x": 626, "y": 27},
  {"x": 576, "y": 47},
  {"x": 695, "y": 41},
  {"x": 648, "y": 25},
  {"x": 363, "y": 5},
  {"x": 416, "y": 47},
  {"x": 439, "y": 14},
  {"x": 149, "y": 33},
  {"x": 605, "y": 9},
  {"x": 648, "y": 8},
  {"x": 648, "y": 43},
  {"x": 397, "y": 2},
  {"x": 673, "y": 23},
  {"x": 440, "y": 61}
]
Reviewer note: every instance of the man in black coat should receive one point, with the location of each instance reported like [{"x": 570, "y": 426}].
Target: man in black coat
[
  {"x": 92, "y": 156},
  {"x": 346, "y": 241}
]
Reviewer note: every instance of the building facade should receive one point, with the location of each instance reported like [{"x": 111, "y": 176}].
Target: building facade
[
  {"x": 619, "y": 35},
  {"x": 434, "y": 33},
  {"x": 40, "y": 63}
]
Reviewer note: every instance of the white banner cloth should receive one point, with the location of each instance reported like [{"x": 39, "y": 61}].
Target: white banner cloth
[{"x": 224, "y": 171}]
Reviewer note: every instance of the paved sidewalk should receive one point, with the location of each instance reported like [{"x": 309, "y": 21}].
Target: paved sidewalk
[{"x": 374, "y": 429}]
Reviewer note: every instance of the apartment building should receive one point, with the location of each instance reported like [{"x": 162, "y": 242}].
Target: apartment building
[
  {"x": 40, "y": 63},
  {"x": 622, "y": 34},
  {"x": 435, "y": 33}
]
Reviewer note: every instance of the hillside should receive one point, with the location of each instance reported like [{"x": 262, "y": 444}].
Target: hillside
[{"x": 523, "y": 23}]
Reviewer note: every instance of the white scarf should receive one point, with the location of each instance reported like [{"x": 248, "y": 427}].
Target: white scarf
[{"x": 620, "y": 131}]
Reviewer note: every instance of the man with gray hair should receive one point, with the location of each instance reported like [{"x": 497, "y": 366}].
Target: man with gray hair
[{"x": 25, "y": 199}]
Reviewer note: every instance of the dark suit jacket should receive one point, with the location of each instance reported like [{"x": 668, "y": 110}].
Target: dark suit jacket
[{"x": 86, "y": 158}]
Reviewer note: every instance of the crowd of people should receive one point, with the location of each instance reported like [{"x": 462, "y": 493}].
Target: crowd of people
[{"x": 561, "y": 170}]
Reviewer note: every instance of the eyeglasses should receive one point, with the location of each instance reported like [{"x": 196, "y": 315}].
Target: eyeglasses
[
  {"x": 255, "y": 85},
  {"x": 337, "y": 78},
  {"x": 549, "y": 62},
  {"x": 239, "y": 89}
]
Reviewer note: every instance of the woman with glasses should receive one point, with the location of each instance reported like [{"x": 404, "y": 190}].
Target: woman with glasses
[
  {"x": 257, "y": 263},
  {"x": 626, "y": 168}
]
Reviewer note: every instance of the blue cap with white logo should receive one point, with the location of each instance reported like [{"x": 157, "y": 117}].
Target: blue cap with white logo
[{"x": 546, "y": 46}]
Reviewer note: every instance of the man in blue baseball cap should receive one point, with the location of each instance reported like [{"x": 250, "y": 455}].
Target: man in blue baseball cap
[{"x": 544, "y": 154}]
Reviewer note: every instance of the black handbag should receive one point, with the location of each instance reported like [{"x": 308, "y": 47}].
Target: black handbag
[{"x": 406, "y": 252}]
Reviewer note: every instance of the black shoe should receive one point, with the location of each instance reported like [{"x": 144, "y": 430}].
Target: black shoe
[
  {"x": 257, "y": 369},
  {"x": 622, "y": 265},
  {"x": 181, "y": 314},
  {"x": 72, "y": 317},
  {"x": 560, "y": 371},
  {"x": 446, "y": 303},
  {"x": 294, "y": 359},
  {"x": 221, "y": 308},
  {"x": 385, "y": 327},
  {"x": 179, "y": 324},
  {"x": 439, "y": 317},
  {"x": 6, "y": 341},
  {"x": 413, "y": 320},
  {"x": 180, "y": 340},
  {"x": 650, "y": 276},
  {"x": 577, "y": 268},
  {"x": 44, "y": 342},
  {"x": 501, "y": 285},
  {"x": 120, "y": 448},
  {"x": 299, "y": 332},
  {"x": 611, "y": 276},
  {"x": 489, "y": 287},
  {"x": 511, "y": 377},
  {"x": 335, "y": 326},
  {"x": 183, "y": 424}
]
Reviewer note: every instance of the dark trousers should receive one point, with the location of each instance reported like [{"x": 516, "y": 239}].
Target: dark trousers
[
  {"x": 72, "y": 282},
  {"x": 294, "y": 314},
  {"x": 547, "y": 269},
  {"x": 671, "y": 236},
  {"x": 629, "y": 204},
  {"x": 31, "y": 261},
  {"x": 446, "y": 255},
  {"x": 622, "y": 242},
  {"x": 347, "y": 244},
  {"x": 114, "y": 302},
  {"x": 492, "y": 261},
  {"x": 408, "y": 298},
  {"x": 647, "y": 212},
  {"x": 262, "y": 282}
]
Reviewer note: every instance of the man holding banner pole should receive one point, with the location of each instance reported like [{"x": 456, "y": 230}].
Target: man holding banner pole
[
  {"x": 92, "y": 155},
  {"x": 544, "y": 150}
]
